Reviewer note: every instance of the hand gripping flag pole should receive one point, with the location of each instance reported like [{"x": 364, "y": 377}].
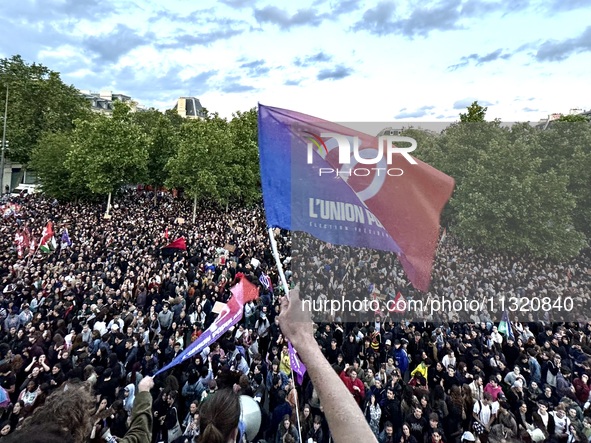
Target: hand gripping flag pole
[{"x": 286, "y": 290}]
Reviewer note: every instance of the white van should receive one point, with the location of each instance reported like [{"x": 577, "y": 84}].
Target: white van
[{"x": 25, "y": 188}]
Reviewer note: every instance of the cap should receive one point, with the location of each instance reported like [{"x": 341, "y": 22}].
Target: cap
[
  {"x": 468, "y": 436},
  {"x": 388, "y": 342}
]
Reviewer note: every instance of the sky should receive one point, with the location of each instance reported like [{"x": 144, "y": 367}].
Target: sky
[{"x": 341, "y": 60}]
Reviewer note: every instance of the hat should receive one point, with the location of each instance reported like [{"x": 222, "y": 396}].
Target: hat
[
  {"x": 517, "y": 384},
  {"x": 468, "y": 436},
  {"x": 388, "y": 342}
]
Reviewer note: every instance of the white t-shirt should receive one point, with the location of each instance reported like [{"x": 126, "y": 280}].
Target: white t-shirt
[{"x": 483, "y": 412}]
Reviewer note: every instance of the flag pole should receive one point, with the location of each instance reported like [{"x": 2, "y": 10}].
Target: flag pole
[
  {"x": 286, "y": 290},
  {"x": 278, "y": 262}
]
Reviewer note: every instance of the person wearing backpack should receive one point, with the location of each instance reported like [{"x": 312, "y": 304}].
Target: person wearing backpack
[{"x": 484, "y": 416}]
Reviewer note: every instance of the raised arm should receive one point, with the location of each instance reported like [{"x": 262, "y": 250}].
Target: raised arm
[
  {"x": 140, "y": 429},
  {"x": 345, "y": 419}
]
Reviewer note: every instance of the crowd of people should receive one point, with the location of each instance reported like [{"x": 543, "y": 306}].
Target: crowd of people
[{"x": 113, "y": 307}]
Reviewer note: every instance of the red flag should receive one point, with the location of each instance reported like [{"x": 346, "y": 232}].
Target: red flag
[
  {"x": 398, "y": 305},
  {"x": 179, "y": 243}
]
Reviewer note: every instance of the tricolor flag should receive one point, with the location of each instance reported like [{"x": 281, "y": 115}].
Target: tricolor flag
[
  {"x": 66, "y": 241},
  {"x": 266, "y": 282},
  {"x": 243, "y": 292},
  {"x": 505, "y": 326},
  {"x": 376, "y": 195},
  {"x": 47, "y": 242}
]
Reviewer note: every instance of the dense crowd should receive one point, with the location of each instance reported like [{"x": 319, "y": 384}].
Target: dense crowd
[{"x": 114, "y": 307}]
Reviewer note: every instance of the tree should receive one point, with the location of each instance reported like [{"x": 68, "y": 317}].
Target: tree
[
  {"x": 476, "y": 113},
  {"x": 574, "y": 118},
  {"x": 161, "y": 132},
  {"x": 507, "y": 203},
  {"x": 565, "y": 147},
  {"x": 199, "y": 164},
  {"x": 107, "y": 152},
  {"x": 48, "y": 159},
  {"x": 243, "y": 157},
  {"x": 39, "y": 102}
]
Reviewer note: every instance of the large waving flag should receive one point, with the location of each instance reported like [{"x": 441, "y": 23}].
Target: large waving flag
[
  {"x": 243, "y": 292},
  {"x": 349, "y": 188}
]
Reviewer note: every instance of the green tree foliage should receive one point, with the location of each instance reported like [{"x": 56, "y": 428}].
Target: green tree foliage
[
  {"x": 198, "y": 166},
  {"x": 217, "y": 160},
  {"x": 475, "y": 113},
  {"x": 243, "y": 158},
  {"x": 107, "y": 152},
  {"x": 566, "y": 148},
  {"x": 38, "y": 103},
  {"x": 508, "y": 202},
  {"x": 161, "y": 131},
  {"x": 48, "y": 159},
  {"x": 574, "y": 118}
]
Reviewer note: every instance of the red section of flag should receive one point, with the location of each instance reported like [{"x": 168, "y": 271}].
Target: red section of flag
[
  {"x": 243, "y": 292},
  {"x": 398, "y": 305},
  {"x": 179, "y": 243},
  {"x": 47, "y": 234}
]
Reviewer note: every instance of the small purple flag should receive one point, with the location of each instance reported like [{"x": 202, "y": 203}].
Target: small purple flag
[{"x": 296, "y": 364}]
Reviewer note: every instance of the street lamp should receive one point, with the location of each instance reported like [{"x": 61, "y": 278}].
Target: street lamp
[{"x": 3, "y": 143}]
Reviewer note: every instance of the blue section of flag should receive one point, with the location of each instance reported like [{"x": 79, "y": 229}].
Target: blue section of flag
[
  {"x": 66, "y": 238},
  {"x": 298, "y": 198},
  {"x": 505, "y": 327},
  {"x": 275, "y": 161}
]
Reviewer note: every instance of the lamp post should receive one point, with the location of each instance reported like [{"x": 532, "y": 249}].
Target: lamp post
[{"x": 3, "y": 144}]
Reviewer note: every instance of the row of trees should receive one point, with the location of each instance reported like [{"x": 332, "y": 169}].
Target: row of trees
[
  {"x": 519, "y": 189},
  {"x": 80, "y": 154}
]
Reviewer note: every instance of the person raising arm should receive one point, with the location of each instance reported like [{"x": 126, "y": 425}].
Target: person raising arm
[{"x": 345, "y": 418}]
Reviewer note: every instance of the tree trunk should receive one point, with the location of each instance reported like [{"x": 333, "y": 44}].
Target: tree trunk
[
  {"x": 108, "y": 205},
  {"x": 194, "y": 208}
]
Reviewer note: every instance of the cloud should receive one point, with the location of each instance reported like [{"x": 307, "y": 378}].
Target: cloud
[
  {"x": 528, "y": 109},
  {"x": 111, "y": 46},
  {"x": 465, "y": 102},
  {"x": 421, "y": 112},
  {"x": 48, "y": 10},
  {"x": 377, "y": 20},
  {"x": 311, "y": 60},
  {"x": 554, "y": 51},
  {"x": 292, "y": 82},
  {"x": 255, "y": 68},
  {"x": 479, "y": 60},
  {"x": 232, "y": 84},
  {"x": 223, "y": 29},
  {"x": 238, "y": 4},
  {"x": 303, "y": 17},
  {"x": 344, "y": 6},
  {"x": 335, "y": 73},
  {"x": 567, "y": 5},
  {"x": 444, "y": 15}
]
